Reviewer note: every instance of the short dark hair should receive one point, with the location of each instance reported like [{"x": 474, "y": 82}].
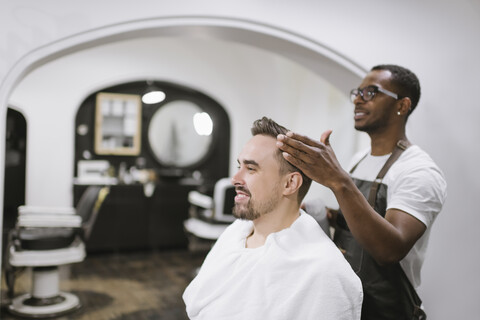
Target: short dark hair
[
  {"x": 268, "y": 127},
  {"x": 405, "y": 82}
]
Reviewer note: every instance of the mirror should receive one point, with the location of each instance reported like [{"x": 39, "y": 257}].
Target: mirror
[
  {"x": 180, "y": 133},
  {"x": 117, "y": 124}
]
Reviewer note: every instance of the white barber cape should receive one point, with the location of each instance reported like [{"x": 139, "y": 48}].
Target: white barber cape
[{"x": 297, "y": 274}]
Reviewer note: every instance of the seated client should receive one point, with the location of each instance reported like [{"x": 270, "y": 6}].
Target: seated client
[{"x": 274, "y": 261}]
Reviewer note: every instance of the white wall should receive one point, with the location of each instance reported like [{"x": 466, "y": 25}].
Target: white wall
[{"x": 436, "y": 39}]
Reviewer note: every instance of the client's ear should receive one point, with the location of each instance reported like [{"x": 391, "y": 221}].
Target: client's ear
[{"x": 293, "y": 182}]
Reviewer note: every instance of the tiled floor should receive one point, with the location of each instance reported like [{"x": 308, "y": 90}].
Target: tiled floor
[{"x": 127, "y": 286}]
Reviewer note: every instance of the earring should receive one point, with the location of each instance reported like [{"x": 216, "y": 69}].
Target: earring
[{"x": 398, "y": 112}]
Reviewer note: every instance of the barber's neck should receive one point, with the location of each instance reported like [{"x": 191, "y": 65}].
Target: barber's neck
[
  {"x": 280, "y": 218},
  {"x": 384, "y": 142}
]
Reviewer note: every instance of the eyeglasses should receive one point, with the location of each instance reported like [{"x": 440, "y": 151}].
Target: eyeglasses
[{"x": 369, "y": 92}]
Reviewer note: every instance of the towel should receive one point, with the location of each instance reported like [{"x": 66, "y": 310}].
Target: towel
[{"x": 297, "y": 274}]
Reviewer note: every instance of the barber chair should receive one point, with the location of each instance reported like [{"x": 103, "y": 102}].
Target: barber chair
[
  {"x": 43, "y": 239},
  {"x": 209, "y": 215}
]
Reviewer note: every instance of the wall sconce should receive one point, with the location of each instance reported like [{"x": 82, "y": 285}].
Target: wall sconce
[{"x": 152, "y": 94}]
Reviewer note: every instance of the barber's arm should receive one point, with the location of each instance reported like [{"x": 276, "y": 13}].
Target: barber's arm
[{"x": 387, "y": 240}]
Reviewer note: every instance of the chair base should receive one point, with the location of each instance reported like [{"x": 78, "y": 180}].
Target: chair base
[{"x": 27, "y": 306}]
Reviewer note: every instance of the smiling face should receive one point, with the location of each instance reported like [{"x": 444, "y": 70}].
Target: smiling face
[
  {"x": 377, "y": 114},
  {"x": 258, "y": 180}
]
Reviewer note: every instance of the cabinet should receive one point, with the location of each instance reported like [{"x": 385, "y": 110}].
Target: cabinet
[{"x": 129, "y": 220}]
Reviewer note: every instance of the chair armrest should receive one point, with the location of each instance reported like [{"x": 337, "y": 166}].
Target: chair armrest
[
  {"x": 204, "y": 230},
  {"x": 198, "y": 199}
]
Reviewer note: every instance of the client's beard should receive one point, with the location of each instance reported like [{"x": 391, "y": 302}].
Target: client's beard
[
  {"x": 246, "y": 212},
  {"x": 253, "y": 210}
]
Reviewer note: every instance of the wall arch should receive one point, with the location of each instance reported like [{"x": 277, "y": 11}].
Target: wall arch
[{"x": 331, "y": 65}]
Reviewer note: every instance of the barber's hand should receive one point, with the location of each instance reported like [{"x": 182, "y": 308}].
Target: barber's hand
[{"x": 315, "y": 158}]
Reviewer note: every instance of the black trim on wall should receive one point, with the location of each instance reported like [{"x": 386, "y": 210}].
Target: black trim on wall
[
  {"x": 213, "y": 167},
  {"x": 15, "y": 165}
]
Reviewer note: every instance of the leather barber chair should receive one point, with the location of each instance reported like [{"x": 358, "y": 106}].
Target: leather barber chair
[
  {"x": 44, "y": 239},
  {"x": 209, "y": 215}
]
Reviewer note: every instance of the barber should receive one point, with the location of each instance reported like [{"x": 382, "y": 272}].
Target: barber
[{"x": 388, "y": 199}]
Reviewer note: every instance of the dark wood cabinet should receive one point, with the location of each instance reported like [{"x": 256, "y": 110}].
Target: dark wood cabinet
[{"x": 129, "y": 220}]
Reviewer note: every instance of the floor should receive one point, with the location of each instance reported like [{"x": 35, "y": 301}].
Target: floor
[{"x": 124, "y": 286}]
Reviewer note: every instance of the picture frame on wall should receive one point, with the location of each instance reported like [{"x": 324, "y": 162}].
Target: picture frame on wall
[{"x": 118, "y": 124}]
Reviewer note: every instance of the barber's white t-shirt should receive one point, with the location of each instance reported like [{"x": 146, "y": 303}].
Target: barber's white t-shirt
[{"x": 414, "y": 185}]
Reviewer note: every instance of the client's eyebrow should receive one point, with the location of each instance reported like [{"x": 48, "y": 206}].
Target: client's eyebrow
[{"x": 249, "y": 162}]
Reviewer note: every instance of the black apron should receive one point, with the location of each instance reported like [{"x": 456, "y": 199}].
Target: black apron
[{"x": 388, "y": 294}]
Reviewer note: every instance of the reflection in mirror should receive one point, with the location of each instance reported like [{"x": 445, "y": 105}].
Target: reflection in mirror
[
  {"x": 203, "y": 124},
  {"x": 180, "y": 133}
]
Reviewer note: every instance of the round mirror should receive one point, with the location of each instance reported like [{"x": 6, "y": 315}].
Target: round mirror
[{"x": 180, "y": 133}]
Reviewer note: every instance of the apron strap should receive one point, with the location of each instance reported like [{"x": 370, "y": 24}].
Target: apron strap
[{"x": 401, "y": 146}]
